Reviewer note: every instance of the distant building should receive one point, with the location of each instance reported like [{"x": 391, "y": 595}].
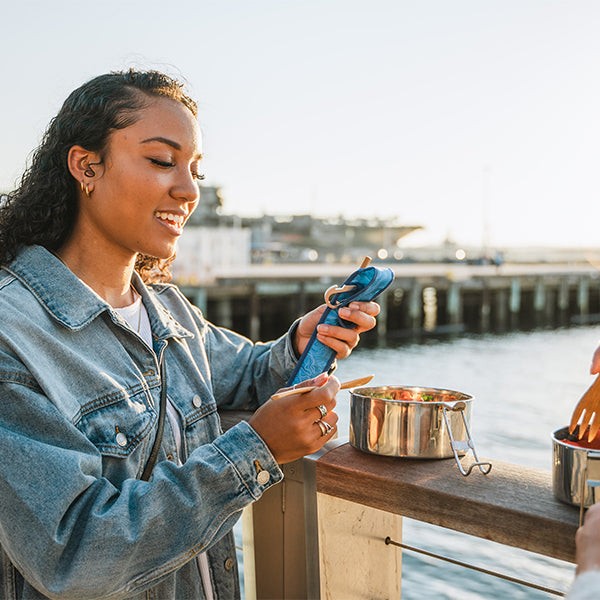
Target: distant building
[
  {"x": 203, "y": 250},
  {"x": 301, "y": 238}
]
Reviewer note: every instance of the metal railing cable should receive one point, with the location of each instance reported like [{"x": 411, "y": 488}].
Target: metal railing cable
[{"x": 388, "y": 541}]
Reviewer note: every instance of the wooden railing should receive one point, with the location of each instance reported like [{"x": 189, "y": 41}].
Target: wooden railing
[
  {"x": 513, "y": 505},
  {"x": 321, "y": 534}
]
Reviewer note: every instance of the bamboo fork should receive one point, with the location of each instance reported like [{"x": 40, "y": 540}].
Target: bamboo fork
[
  {"x": 589, "y": 407},
  {"x": 309, "y": 388}
]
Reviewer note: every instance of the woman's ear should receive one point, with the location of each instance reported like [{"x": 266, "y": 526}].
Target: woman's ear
[{"x": 83, "y": 165}]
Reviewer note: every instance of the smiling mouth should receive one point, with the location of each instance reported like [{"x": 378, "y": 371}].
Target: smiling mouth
[{"x": 175, "y": 221}]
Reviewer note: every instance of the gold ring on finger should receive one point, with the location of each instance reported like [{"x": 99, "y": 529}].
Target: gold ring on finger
[{"x": 322, "y": 426}]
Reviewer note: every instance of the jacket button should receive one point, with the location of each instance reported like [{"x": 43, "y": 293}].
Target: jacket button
[
  {"x": 197, "y": 401},
  {"x": 121, "y": 439},
  {"x": 229, "y": 564},
  {"x": 263, "y": 477}
]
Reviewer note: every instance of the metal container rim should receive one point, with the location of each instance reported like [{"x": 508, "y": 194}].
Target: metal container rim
[
  {"x": 365, "y": 391},
  {"x": 559, "y": 430},
  {"x": 571, "y": 447},
  {"x": 562, "y": 443}
]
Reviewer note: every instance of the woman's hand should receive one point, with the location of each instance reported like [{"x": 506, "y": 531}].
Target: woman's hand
[
  {"x": 341, "y": 339},
  {"x": 595, "y": 367},
  {"x": 289, "y": 426},
  {"x": 587, "y": 541}
]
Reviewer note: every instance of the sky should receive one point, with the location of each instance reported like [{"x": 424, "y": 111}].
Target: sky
[{"x": 475, "y": 119}]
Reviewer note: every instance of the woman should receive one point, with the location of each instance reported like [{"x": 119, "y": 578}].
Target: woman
[{"x": 93, "y": 342}]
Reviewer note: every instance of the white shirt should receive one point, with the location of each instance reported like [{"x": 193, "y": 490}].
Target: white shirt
[{"x": 137, "y": 318}]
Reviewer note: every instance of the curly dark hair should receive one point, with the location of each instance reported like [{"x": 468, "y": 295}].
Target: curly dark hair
[{"x": 43, "y": 209}]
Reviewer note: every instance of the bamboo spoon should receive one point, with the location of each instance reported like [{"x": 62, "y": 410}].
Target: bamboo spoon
[
  {"x": 589, "y": 407},
  {"x": 365, "y": 262},
  {"x": 309, "y": 388}
]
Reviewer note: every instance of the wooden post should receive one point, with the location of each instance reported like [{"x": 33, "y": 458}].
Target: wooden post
[
  {"x": 382, "y": 319},
  {"x": 583, "y": 298},
  {"x": 514, "y": 303},
  {"x": 485, "y": 310},
  {"x": 415, "y": 307},
  {"x": 224, "y": 313},
  {"x": 550, "y": 307},
  {"x": 199, "y": 299},
  {"x": 254, "y": 327},
  {"x": 273, "y": 530},
  {"x": 501, "y": 309},
  {"x": 355, "y": 563},
  {"x": 301, "y": 298},
  {"x": 563, "y": 300},
  {"x": 539, "y": 301},
  {"x": 454, "y": 304}
]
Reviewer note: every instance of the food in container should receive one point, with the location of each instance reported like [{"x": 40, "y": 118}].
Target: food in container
[{"x": 412, "y": 422}]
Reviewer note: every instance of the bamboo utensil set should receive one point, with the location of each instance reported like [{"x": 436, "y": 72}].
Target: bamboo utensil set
[
  {"x": 588, "y": 409},
  {"x": 309, "y": 388}
]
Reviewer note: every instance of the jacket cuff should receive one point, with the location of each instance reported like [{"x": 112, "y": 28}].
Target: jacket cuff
[
  {"x": 291, "y": 353},
  {"x": 251, "y": 458}
]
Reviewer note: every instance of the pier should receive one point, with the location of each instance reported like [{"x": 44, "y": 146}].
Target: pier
[{"x": 425, "y": 298}]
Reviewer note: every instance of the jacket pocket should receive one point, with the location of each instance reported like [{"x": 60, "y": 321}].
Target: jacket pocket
[{"x": 117, "y": 423}]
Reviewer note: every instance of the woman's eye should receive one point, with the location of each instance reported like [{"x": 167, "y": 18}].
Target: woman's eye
[{"x": 161, "y": 163}]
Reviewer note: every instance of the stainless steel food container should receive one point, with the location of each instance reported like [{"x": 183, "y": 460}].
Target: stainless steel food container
[
  {"x": 575, "y": 471},
  {"x": 437, "y": 428}
]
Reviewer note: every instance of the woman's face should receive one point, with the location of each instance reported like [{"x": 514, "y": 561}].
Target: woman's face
[{"x": 147, "y": 187}]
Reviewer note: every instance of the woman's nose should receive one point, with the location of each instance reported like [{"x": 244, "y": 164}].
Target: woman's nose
[{"x": 187, "y": 188}]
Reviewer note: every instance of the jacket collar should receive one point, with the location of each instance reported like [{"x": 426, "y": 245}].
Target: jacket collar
[{"x": 73, "y": 303}]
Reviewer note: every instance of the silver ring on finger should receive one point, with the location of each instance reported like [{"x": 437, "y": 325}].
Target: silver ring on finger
[
  {"x": 321, "y": 408},
  {"x": 322, "y": 426}
]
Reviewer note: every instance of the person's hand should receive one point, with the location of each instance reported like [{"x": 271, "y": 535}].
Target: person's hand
[
  {"x": 587, "y": 541},
  {"x": 289, "y": 426},
  {"x": 341, "y": 339},
  {"x": 595, "y": 367}
]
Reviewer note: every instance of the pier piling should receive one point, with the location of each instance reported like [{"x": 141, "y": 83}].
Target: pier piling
[{"x": 425, "y": 299}]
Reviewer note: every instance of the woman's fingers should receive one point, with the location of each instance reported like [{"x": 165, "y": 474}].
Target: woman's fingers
[
  {"x": 327, "y": 426},
  {"x": 315, "y": 381},
  {"x": 595, "y": 367},
  {"x": 362, "y": 314},
  {"x": 341, "y": 342},
  {"x": 344, "y": 339},
  {"x": 289, "y": 427}
]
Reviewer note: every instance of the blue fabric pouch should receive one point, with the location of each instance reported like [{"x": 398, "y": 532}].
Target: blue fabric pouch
[{"x": 363, "y": 285}]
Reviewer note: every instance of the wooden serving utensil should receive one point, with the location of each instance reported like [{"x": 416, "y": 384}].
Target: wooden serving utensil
[
  {"x": 309, "y": 388},
  {"x": 589, "y": 407}
]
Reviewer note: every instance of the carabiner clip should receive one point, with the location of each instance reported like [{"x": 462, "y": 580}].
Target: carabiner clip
[{"x": 334, "y": 289}]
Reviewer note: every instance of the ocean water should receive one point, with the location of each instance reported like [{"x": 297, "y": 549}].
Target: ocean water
[{"x": 525, "y": 386}]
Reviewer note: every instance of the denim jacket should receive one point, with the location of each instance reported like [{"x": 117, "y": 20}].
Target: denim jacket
[{"x": 79, "y": 392}]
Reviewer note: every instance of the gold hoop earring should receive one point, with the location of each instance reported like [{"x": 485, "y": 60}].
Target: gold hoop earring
[{"x": 85, "y": 189}]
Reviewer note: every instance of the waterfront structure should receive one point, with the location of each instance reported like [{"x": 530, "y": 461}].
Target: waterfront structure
[
  {"x": 304, "y": 238},
  {"x": 425, "y": 299},
  {"x": 204, "y": 251}
]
